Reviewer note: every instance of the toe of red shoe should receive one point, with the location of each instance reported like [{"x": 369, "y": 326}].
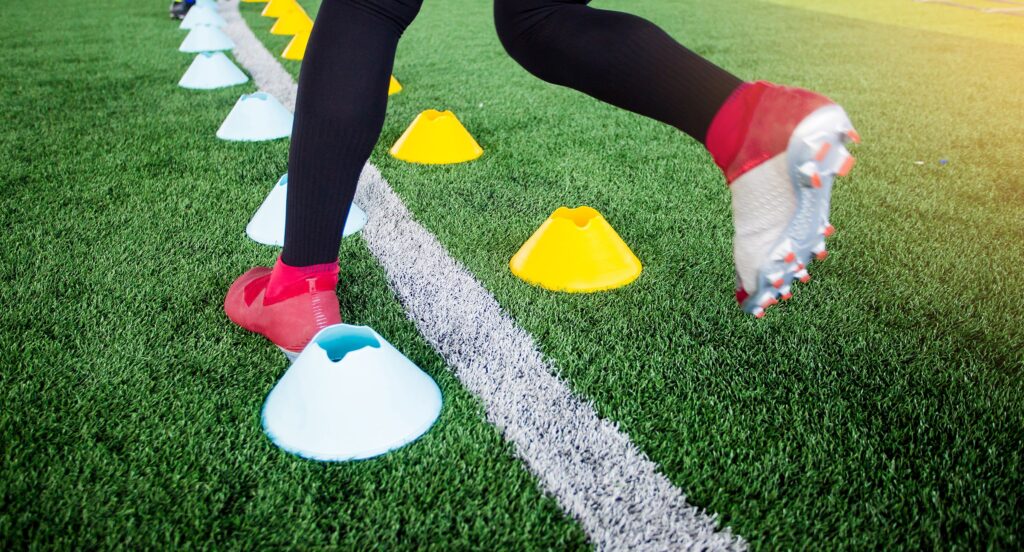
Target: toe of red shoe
[{"x": 243, "y": 292}]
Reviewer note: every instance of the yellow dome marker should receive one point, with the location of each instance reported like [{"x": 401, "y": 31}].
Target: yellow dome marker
[
  {"x": 577, "y": 251},
  {"x": 436, "y": 138},
  {"x": 296, "y": 49},
  {"x": 292, "y": 23},
  {"x": 394, "y": 87},
  {"x": 279, "y": 8}
]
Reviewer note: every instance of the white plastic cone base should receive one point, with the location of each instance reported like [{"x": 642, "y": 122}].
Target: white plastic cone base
[
  {"x": 256, "y": 117},
  {"x": 267, "y": 225},
  {"x": 205, "y": 39},
  {"x": 201, "y": 16},
  {"x": 350, "y": 395},
  {"x": 212, "y": 70}
]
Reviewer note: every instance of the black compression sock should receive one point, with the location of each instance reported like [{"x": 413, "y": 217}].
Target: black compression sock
[
  {"x": 339, "y": 113},
  {"x": 615, "y": 57}
]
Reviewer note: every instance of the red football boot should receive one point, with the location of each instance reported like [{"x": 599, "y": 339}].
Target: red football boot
[
  {"x": 287, "y": 305},
  {"x": 780, "y": 149}
]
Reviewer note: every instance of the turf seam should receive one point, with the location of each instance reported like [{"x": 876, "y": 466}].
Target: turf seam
[{"x": 592, "y": 469}]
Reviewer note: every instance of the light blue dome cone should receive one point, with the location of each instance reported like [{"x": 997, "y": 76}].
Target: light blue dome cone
[
  {"x": 205, "y": 39},
  {"x": 350, "y": 395},
  {"x": 267, "y": 225},
  {"x": 256, "y": 117},
  {"x": 202, "y": 16},
  {"x": 212, "y": 70},
  {"x": 207, "y": 4}
]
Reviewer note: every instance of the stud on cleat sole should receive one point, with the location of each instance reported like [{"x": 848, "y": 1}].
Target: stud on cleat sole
[
  {"x": 847, "y": 166},
  {"x": 823, "y": 152}
]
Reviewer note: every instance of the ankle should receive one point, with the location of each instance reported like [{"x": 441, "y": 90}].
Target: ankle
[
  {"x": 729, "y": 127},
  {"x": 288, "y": 281},
  {"x": 756, "y": 123}
]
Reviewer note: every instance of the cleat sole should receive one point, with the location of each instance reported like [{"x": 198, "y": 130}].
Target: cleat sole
[{"x": 816, "y": 156}]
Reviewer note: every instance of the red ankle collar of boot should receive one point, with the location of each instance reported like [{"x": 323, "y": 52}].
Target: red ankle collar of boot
[
  {"x": 728, "y": 129},
  {"x": 287, "y": 281},
  {"x": 756, "y": 123}
]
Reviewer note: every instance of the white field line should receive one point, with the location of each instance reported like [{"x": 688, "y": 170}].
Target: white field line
[{"x": 591, "y": 468}]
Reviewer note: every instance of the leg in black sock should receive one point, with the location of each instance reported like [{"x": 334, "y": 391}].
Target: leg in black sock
[
  {"x": 339, "y": 114},
  {"x": 615, "y": 57}
]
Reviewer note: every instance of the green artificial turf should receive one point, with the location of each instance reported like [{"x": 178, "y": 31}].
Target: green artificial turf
[
  {"x": 881, "y": 407},
  {"x": 129, "y": 405}
]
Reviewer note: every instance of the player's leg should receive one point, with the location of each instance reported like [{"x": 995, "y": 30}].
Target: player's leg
[
  {"x": 339, "y": 114},
  {"x": 779, "y": 147}
]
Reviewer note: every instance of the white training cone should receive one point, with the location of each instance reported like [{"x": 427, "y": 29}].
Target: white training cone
[
  {"x": 205, "y": 39},
  {"x": 267, "y": 225},
  {"x": 212, "y": 70},
  {"x": 212, "y": 4},
  {"x": 350, "y": 395},
  {"x": 201, "y": 16},
  {"x": 256, "y": 117}
]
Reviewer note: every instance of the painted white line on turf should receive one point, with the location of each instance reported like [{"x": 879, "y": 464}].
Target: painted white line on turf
[{"x": 597, "y": 475}]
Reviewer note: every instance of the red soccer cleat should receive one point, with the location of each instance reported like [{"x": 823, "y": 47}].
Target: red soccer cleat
[
  {"x": 287, "y": 305},
  {"x": 780, "y": 149}
]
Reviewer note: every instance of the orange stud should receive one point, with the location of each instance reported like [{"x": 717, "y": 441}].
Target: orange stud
[
  {"x": 769, "y": 302},
  {"x": 829, "y": 230},
  {"x": 787, "y": 296},
  {"x": 805, "y": 278},
  {"x": 852, "y": 134},
  {"x": 790, "y": 257},
  {"x": 778, "y": 283},
  {"x": 800, "y": 266},
  {"x": 847, "y": 166},
  {"x": 759, "y": 314},
  {"x": 823, "y": 152},
  {"x": 821, "y": 255},
  {"x": 816, "y": 180}
]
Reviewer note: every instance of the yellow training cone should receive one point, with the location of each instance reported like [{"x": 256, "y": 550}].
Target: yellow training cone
[
  {"x": 436, "y": 138},
  {"x": 279, "y": 8},
  {"x": 394, "y": 87},
  {"x": 576, "y": 250},
  {"x": 292, "y": 23},
  {"x": 296, "y": 49}
]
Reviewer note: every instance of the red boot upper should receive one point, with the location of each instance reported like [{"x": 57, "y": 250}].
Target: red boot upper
[
  {"x": 287, "y": 305},
  {"x": 755, "y": 124}
]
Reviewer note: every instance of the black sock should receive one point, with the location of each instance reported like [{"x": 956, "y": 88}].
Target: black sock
[
  {"x": 339, "y": 113},
  {"x": 615, "y": 57}
]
